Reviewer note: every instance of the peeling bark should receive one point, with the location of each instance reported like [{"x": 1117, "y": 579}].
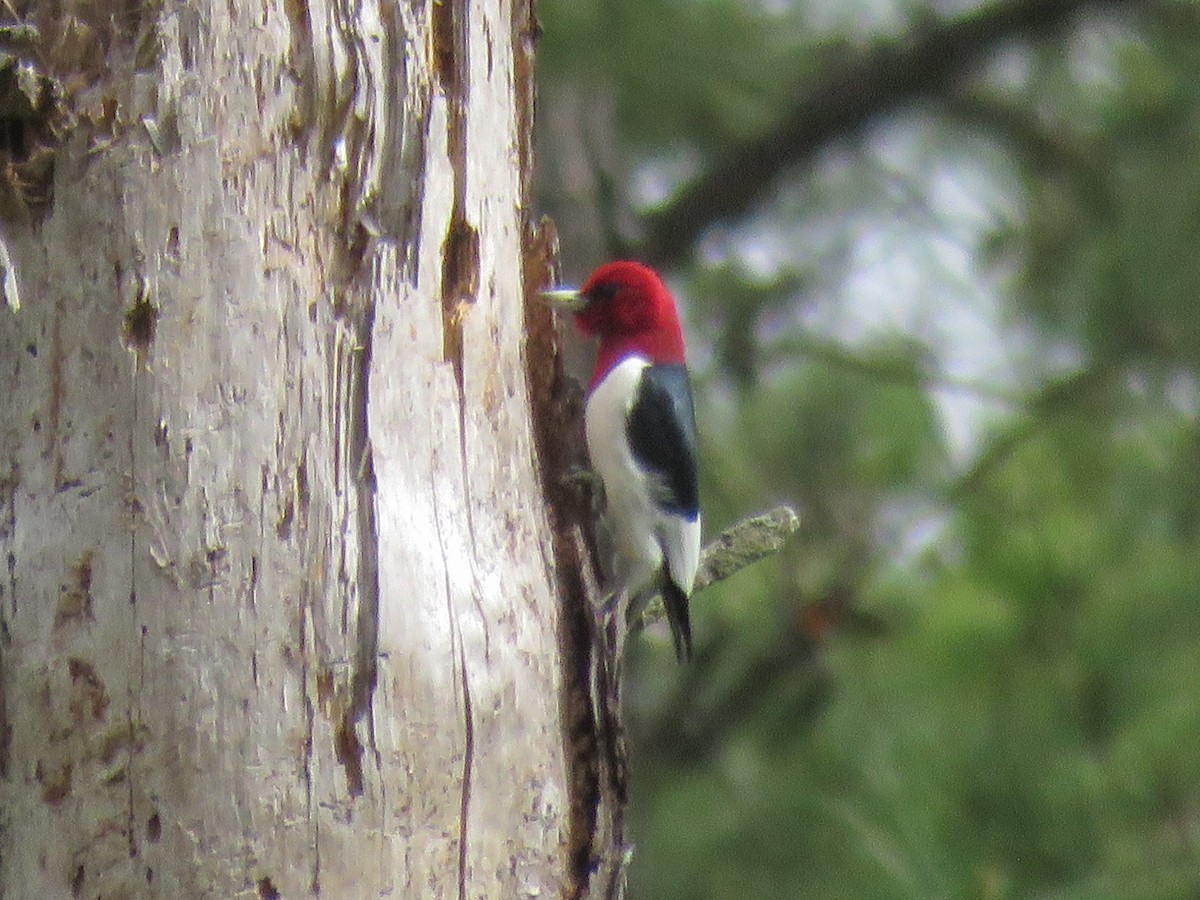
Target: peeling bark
[{"x": 277, "y": 618}]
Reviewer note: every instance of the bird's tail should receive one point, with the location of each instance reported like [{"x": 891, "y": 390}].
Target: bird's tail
[{"x": 676, "y": 603}]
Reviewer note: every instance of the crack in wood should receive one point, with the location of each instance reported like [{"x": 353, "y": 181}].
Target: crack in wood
[
  {"x": 136, "y": 415},
  {"x": 309, "y": 722},
  {"x": 468, "y": 501},
  {"x": 57, "y": 390},
  {"x": 456, "y": 642},
  {"x": 460, "y": 250},
  {"x": 8, "y": 491},
  {"x": 364, "y": 668},
  {"x": 141, "y": 323},
  {"x": 468, "y": 767},
  {"x": 460, "y": 283},
  {"x": 349, "y": 750}
]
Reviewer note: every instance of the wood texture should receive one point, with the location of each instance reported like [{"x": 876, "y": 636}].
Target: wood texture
[{"x": 277, "y": 617}]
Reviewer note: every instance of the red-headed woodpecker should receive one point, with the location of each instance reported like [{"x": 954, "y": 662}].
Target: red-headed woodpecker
[{"x": 641, "y": 436}]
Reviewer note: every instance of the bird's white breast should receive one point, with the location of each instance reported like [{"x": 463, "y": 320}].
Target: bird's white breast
[{"x": 637, "y": 524}]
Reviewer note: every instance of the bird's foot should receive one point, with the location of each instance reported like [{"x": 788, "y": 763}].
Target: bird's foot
[{"x": 587, "y": 485}]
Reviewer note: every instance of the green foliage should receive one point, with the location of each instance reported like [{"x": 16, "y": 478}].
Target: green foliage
[
  {"x": 695, "y": 71},
  {"x": 1029, "y": 729},
  {"x": 974, "y": 671},
  {"x": 1115, "y": 268}
]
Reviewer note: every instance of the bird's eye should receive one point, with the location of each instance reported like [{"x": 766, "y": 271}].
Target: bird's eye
[{"x": 602, "y": 292}]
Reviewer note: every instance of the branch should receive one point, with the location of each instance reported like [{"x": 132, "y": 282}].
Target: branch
[
  {"x": 1036, "y": 146},
  {"x": 901, "y": 372},
  {"x": 742, "y": 544},
  {"x": 840, "y": 102},
  {"x": 1071, "y": 392}
]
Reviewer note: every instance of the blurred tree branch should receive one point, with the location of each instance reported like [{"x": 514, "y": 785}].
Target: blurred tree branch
[
  {"x": 901, "y": 371},
  {"x": 844, "y": 99},
  {"x": 1082, "y": 389},
  {"x": 707, "y": 717},
  {"x": 1038, "y": 148}
]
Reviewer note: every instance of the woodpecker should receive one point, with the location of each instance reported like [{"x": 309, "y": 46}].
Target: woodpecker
[{"x": 641, "y": 437}]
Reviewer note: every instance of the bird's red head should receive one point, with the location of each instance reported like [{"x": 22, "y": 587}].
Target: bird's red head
[{"x": 629, "y": 308}]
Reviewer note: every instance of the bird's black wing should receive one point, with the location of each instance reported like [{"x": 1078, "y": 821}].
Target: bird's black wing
[{"x": 662, "y": 434}]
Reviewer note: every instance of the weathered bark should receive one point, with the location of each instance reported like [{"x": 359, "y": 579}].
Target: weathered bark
[{"x": 278, "y": 616}]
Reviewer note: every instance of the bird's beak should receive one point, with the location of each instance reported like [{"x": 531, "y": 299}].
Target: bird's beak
[{"x": 566, "y": 298}]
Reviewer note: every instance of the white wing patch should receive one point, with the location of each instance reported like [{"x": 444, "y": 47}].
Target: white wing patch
[{"x": 680, "y": 540}]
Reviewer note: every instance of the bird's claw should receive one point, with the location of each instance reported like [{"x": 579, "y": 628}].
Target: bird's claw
[{"x": 587, "y": 484}]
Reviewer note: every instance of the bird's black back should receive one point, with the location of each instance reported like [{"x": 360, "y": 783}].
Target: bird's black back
[{"x": 662, "y": 434}]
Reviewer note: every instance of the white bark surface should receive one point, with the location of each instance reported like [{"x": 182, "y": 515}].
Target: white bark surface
[{"x": 276, "y": 608}]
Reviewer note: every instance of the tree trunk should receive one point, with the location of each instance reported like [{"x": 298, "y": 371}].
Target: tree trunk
[{"x": 278, "y": 610}]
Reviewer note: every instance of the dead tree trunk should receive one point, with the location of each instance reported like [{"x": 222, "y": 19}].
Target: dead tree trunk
[{"x": 277, "y": 604}]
